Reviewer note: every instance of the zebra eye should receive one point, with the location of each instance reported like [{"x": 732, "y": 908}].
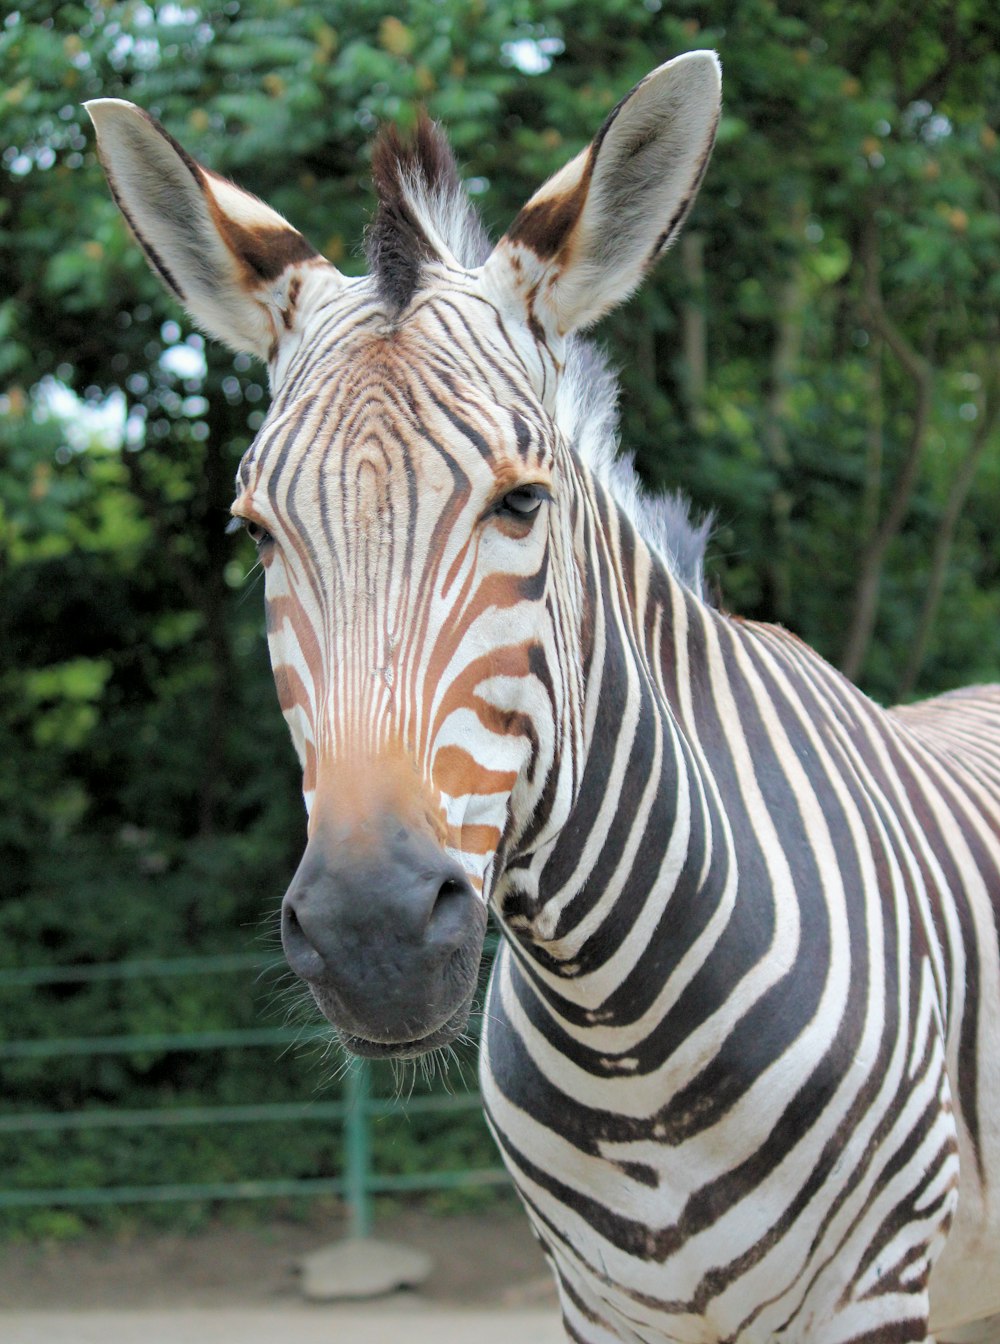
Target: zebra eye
[
  {"x": 523, "y": 502},
  {"x": 257, "y": 534}
]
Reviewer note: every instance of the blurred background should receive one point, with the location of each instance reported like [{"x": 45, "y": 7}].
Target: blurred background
[{"x": 816, "y": 361}]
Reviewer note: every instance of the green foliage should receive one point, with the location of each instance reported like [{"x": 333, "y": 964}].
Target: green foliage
[{"x": 149, "y": 798}]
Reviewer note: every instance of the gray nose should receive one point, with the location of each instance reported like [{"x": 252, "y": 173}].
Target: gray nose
[{"x": 387, "y": 934}]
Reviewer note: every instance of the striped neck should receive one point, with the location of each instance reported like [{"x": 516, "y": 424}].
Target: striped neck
[{"x": 627, "y": 865}]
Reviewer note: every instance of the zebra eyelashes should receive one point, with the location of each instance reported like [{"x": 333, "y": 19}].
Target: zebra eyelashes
[
  {"x": 524, "y": 501},
  {"x": 521, "y": 504},
  {"x": 257, "y": 534}
]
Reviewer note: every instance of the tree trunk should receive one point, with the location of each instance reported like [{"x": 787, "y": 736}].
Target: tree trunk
[
  {"x": 941, "y": 553},
  {"x": 694, "y": 327},
  {"x": 873, "y": 554},
  {"x": 786, "y": 355},
  {"x": 219, "y": 694},
  {"x": 785, "y": 358},
  {"x": 871, "y": 502}
]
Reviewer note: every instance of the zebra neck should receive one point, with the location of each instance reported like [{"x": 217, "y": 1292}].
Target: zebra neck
[{"x": 641, "y": 870}]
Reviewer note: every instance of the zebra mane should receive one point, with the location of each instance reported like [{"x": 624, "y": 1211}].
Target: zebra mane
[
  {"x": 424, "y": 213},
  {"x": 587, "y": 413}
]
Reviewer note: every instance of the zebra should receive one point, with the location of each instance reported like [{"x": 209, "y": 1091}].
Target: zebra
[{"x": 740, "y": 1042}]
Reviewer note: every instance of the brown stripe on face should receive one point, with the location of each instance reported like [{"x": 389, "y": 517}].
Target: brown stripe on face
[
  {"x": 513, "y": 661},
  {"x": 498, "y": 590},
  {"x": 474, "y": 839},
  {"x": 288, "y": 608},
  {"x": 309, "y": 768},
  {"x": 457, "y": 773},
  {"x": 455, "y": 568},
  {"x": 506, "y": 590},
  {"x": 292, "y": 690}
]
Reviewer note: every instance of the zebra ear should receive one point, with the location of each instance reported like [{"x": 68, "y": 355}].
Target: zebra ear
[
  {"x": 232, "y": 261},
  {"x": 586, "y": 238}
]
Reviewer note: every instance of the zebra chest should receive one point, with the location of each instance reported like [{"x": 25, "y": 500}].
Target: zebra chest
[
  {"x": 632, "y": 1224},
  {"x": 710, "y": 1199}
]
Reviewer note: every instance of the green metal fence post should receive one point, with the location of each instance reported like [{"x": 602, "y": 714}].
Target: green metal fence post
[{"x": 357, "y": 1151}]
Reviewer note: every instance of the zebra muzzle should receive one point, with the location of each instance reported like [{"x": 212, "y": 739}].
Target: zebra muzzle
[{"x": 387, "y": 931}]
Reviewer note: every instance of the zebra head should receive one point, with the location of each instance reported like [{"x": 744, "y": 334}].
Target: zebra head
[{"x": 417, "y": 500}]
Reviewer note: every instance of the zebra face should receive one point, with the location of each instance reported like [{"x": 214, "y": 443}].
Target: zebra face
[
  {"x": 403, "y": 502},
  {"x": 415, "y": 496}
]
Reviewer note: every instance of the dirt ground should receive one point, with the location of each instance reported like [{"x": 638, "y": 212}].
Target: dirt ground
[{"x": 486, "y": 1260}]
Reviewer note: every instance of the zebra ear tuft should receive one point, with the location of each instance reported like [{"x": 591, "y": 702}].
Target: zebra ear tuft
[
  {"x": 231, "y": 260},
  {"x": 587, "y": 237}
]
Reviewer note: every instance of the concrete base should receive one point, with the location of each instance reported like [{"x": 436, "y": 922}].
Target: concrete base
[{"x": 361, "y": 1267}]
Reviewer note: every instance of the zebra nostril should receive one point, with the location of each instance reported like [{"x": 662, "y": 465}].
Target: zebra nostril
[
  {"x": 303, "y": 957},
  {"x": 448, "y": 922}
]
